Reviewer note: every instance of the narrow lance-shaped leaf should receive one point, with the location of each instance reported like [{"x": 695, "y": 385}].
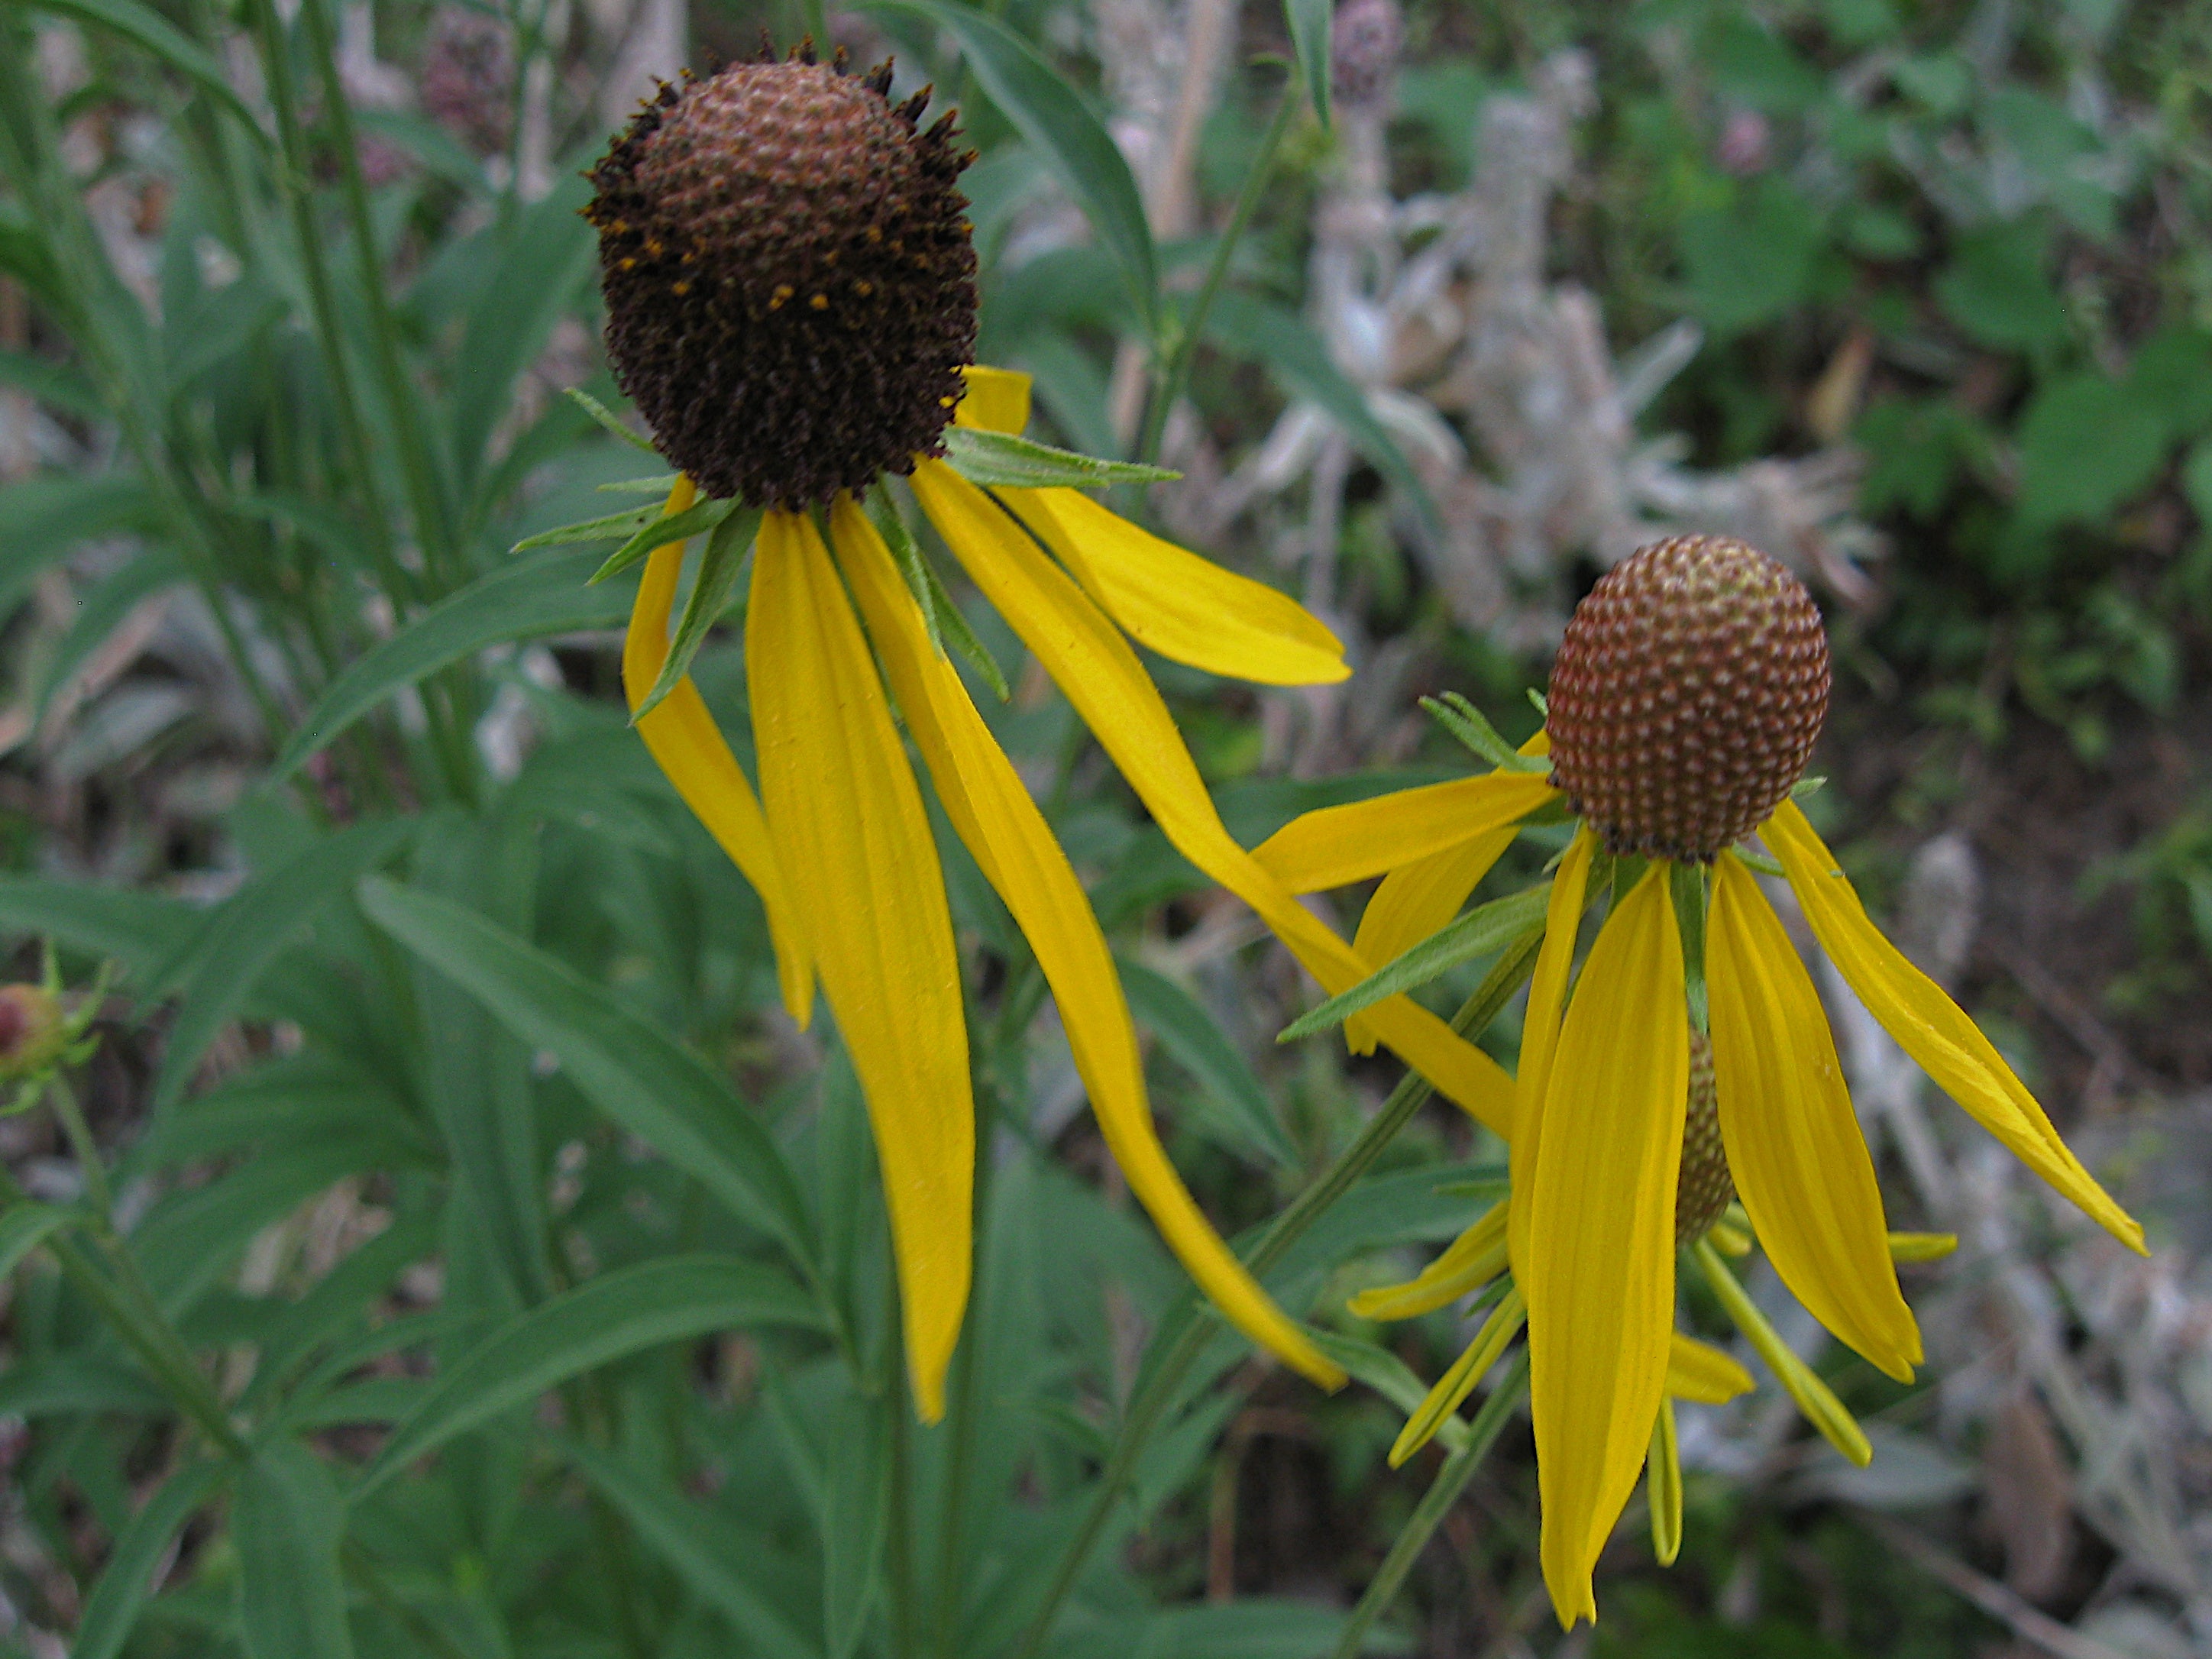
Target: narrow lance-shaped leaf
[
  {"x": 525, "y": 599},
  {"x": 719, "y": 566},
  {"x": 291, "y": 1600},
  {"x": 144, "y": 26},
  {"x": 126, "y": 1582},
  {"x": 1491, "y": 926},
  {"x": 993, "y": 460},
  {"x": 1309, "y": 22},
  {"x": 664, "y": 531},
  {"x": 666, "y": 1300}
]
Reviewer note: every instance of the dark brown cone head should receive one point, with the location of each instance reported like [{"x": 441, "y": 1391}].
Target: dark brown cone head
[
  {"x": 1686, "y": 697},
  {"x": 1705, "y": 1190},
  {"x": 789, "y": 280}
]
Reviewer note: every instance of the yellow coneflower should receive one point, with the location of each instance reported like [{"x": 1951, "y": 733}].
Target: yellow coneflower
[
  {"x": 1687, "y": 694},
  {"x": 791, "y": 304}
]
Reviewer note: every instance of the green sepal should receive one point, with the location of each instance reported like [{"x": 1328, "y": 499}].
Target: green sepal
[
  {"x": 656, "y": 483},
  {"x": 988, "y": 459},
  {"x": 614, "y": 527},
  {"x": 1759, "y": 861},
  {"x": 719, "y": 569},
  {"x": 1686, "y": 882},
  {"x": 1807, "y": 787},
  {"x": 1540, "y": 702},
  {"x": 939, "y": 615},
  {"x": 1467, "y": 723},
  {"x": 602, "y": 415},
  {"x": 660, "y": 531},
  {"x": 1488, "y": 928}
]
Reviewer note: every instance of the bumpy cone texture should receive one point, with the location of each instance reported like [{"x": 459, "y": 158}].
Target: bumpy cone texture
[
  {"x": 1686, "y": 697},
  {"x": 1704, "y": 1189},
  {"x": 789, "y": 281}
]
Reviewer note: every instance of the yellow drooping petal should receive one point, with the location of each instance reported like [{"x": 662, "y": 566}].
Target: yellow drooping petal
[
  {"x": 995, "y": 817},
  {"x": 1814, "y": 1397},
  {"x": 1469, "y": 1262},
  {"x": 683, "y": 741},
  {"x": 1540, "y": 1031},
  {"x": 1416, "y": 899},
  {"x": 1098, "y": 672},
  {"x": 1698, "y": 1371},
  {"x": 1800, "y": 1162},
  {"x": 1456, "y": 1384},
  {"x": 998, "y": 399},
  {"x": 1187, "y": 608},
  {"x": 850, "y": 831},
  {"x": 1599, "y": 1270},
  {"x": 1340, "y": 844},
  {"x": 1663, "y": 1485},
  {"x": 1930, "y": 1027}
]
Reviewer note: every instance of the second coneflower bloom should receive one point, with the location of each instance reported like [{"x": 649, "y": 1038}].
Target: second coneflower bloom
[
  {"x": 1687, "y": 694},
  {"x": 791, "y": 304}
]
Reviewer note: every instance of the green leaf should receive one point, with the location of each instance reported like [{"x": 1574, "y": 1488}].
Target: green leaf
[
  {"x": 144, "y": 26},
  {"x": 662, "y": 529},
  {"x": 141, "y": 1549},
  {"x": 608, "y": 420},
  {"x": 26, "y": 1227},
  {"x": 1293, "y": 353},
  {"x": 248, "y": 932},
  {"x": 524, "y": 599},
  {"x": 1309, "y": 22},
  {"x": 53, "y": 384},
  {"x": 78, "y": 1385},
  {"x": 993, "y": 459},
  {"x": 289, "y": 1524},
  {"x": 624, "y": 1065},
  {"x": 1488, "y": 928},
  {"x": 719, "y": 566},
  {"x": 101, "y": 611},
  {"x": 2086, "y": 445},
  {"x": 540, "y": 275},
  {"x": 1753, "y": 263},
  {"x": 1995, "y": 291},
  {"x": 1188, "y": 1032},
  {"x": 709, "y": 1553},
  {"x": 939, "y": 614},
  {"x": 856, "y": 1496},
  {"x": 610, "y": 1317},
  {"x": 1387, "y": 1374},
  {"x": 194, "y": 1234},
  {"x": 41, "y": 518},
  {"x": 1060, "y": 126},
  {"x": 656, "y": 483},
  {"x": 615, "y": 526},
  {"x": 140, "y": 930}
]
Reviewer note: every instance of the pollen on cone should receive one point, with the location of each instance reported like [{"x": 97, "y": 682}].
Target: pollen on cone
[
  {"x": 1687, "y": 694},
  {"x": 789, "y": 280}
]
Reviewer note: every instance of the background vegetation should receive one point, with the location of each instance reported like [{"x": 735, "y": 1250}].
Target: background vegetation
[{"x": 450, "y": 1250}]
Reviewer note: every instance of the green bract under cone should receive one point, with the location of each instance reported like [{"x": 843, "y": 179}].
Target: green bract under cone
[
  {"x": 789, "y": 281},
  {"x": 1687, "y": 695}
]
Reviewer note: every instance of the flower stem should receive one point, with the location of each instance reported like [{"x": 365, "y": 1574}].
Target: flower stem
[
  {"x": 1158, "y": 1392},
  {"x": 1174, "y": 372},
  {"x": 1443, "y": 1491}
]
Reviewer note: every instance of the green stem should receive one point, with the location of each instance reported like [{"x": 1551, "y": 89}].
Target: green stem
[
  {"x": 89, "y": 1163},
  {"x": 1158, "y": 1392},
  {"x": 1451, "y": 1481},
  {"x": 1173, "y": 374},
  {"x": 898, "y": 1547},
  {"x": 142, "y": 1328}
]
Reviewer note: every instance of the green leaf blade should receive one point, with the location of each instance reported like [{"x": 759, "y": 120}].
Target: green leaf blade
[
  {"x": 1489, "y": 928},
  {"x": 728, "y": 548},
  {"x": 1000, "y": 459}
]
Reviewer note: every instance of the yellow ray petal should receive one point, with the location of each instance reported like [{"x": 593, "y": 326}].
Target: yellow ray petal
[
  {"x": 1664, "y": 1487},
  {"x": 1696, "y": 1370},
  {"x": 1098, "y": 672},
  {"x": 1794, "y": 1146},
  {"x": 1417, "y": 898},
  {"x": 683, "y": 741},
  {"x": 1469, "y": 1262},
  {"x": 1456, "y": 1384},
  {"x": 1600, "y": 1275},
  {"x": 998, "y": 399},
  {"x": 1363, "y": 838},
  {"x": 1187, "y": 608},
  {"x": 1930, "y": 1027},
  {"x": 849, "y": 829},
  {"x": 1814, "y": 1397},
  {"x": 995, "y": 817},
  {"x": 1540, "y": 1031}
]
